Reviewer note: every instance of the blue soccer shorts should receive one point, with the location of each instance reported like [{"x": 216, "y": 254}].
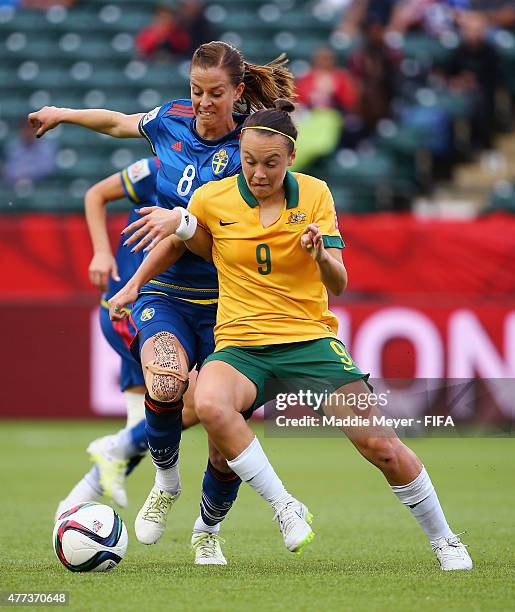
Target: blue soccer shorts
[
  {"x": 190, "y": 322},
  {"x": 119, "y": 334}
]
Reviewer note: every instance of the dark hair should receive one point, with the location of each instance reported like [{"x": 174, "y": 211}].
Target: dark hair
[
  {"x": 263, "y": 84},
  {"x": 278, "y": 119}
]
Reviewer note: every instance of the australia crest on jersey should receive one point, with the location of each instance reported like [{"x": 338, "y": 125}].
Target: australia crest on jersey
[
  {"x": 219, "y": 161},
  {"x": 296, "y": 218}
]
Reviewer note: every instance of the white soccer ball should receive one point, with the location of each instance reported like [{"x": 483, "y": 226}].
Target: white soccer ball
[{"x": 90, "y": 537}]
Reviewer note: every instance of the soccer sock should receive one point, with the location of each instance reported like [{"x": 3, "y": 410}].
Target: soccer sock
[
  {"x": 138, "y": 437},
  {"x": 133, "y": 463},
  {"x": 163, "y": 428},
  {"x": 219, "y": 490},
  {"x": 135, "y": 403},
  {"x": 420, "y": 497},
  {"x": 87, "y": 489},
  {"x": 92, "y": 481},
  {"x": 253, "y": 467},
  {"x": 129, "y": 442}
]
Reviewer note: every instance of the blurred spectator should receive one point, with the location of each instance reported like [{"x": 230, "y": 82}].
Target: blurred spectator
[
  {"x": 375, "y": 66},
  {"x": 193, "y": 19},
  {"x": 326, "y": 85},
  {"x": 362, "y": 11},
  {"x": 164, "y": 35},
  {"x": 497, "y": 13},
  {"x": 437, "y": 16},
  {"x": 433, "y": 16},
  {"x": 328, "y": 93},
  {"x": 175, "y": 32},
  {"x": 473, "y": 68},
  {"x": 28, "y": 158}
]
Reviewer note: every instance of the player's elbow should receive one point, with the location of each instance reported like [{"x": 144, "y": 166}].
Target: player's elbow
[
  {"x": 340, "y": 283},
  {"x": 93, "y": 195}
]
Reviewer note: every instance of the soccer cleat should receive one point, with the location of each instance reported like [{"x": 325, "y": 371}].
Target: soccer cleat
[
  {"x": 207, "y": 548},
  {"x": 294, "y": 522},
  {"x": 151, "y": 520},
  {"x": 452, "y": 554},
  {"x": 111, "y": 469}
]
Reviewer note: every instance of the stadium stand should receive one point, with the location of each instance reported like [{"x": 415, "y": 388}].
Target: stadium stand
[{"x": 84, "y": 56}]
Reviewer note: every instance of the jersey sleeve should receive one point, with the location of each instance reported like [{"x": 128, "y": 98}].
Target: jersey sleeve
[
  {"x": 197, "y": 207},
  {"x": 149, "y": 124},
  {"x": 139, "y": 180},
  {"x": 324, "y": 215}
]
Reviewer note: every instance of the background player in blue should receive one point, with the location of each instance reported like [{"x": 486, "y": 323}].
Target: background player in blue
[
  {"x": 114, "y": 454},
  {"x": 196, "y": 141}
]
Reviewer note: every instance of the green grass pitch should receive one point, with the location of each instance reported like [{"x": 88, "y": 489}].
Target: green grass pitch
[{"x": 368, "y": 553}]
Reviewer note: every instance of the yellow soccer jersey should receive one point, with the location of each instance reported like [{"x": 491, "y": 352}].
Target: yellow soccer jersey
[{"x": 270, "y": 288}]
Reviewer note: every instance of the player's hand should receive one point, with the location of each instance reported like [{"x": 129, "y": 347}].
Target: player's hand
[
  {"x": 118, "y": 303},
  {"x": 101, "y": 267},
  {"x": 155, "y": 224},
  {"x": 312, "y": 242},
  {"x": 45, "y": 119}
]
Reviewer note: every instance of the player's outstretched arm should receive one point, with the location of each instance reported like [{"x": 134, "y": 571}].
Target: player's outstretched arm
[
  {"x": 158, "y": 223},
  {"x": 201, "y": 244},
  {"x": 329, "y": 261},
  {"x": 101, "y": 120},
  {"x": 103, "y": 263},
  {"x": 166, "y": 253}
]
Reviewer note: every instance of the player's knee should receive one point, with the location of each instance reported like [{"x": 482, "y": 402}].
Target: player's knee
[
  {"x": 166, "y": 388},
  {"x": 166, "y": 374},
  {"x": 379, "y": 450},
  {"x": 210, "y": 410}
]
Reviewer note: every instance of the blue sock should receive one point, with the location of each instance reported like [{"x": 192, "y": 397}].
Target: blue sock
[
  {"x": 133, "y": 462},
  {"x": 219, "y": 490},
  {"x": 163, "y": 429},
  {"x": 138, "y": 440},
  {"x": 138, "y": 437}
]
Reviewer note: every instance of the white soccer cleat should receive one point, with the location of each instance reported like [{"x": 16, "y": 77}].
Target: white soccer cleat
[
  {"x": 294, "y": 522},
  {"x": 111, "y": 469},
  {"x": 452, "y": 554},
  {"x": 151, "y": 520},
  {"x": 207, "y": 548}
]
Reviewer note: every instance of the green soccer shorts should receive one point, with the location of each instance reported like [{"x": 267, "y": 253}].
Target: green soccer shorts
[{"x": 325, "y": 360}]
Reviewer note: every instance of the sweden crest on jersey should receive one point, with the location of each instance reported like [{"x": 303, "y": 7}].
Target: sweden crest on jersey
[{"x": 219, "y": 161}]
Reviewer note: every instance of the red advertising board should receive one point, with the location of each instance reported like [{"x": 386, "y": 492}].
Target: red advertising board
[
  {"x": 58, "y": 365},
  {"x": 47, "y": 256},
  {"x": 426, "y": 299}
]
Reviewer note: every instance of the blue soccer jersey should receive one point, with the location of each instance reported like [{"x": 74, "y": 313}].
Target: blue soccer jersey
[
  {"x": 139, "y": 184},
  {"x": 187, "y": 162}
]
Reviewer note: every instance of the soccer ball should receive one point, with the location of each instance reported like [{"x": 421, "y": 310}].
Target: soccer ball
[{"x": 90, "y": 537}]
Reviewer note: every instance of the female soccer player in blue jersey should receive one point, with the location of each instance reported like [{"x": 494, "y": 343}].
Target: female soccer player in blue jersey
[{"x": 196, "y": 141}]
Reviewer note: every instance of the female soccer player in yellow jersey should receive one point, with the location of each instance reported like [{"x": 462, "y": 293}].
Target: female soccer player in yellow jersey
[{"x": 273, "y": 238}]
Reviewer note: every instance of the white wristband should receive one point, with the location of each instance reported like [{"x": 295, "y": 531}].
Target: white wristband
[{"x": 188, "y": 224}]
